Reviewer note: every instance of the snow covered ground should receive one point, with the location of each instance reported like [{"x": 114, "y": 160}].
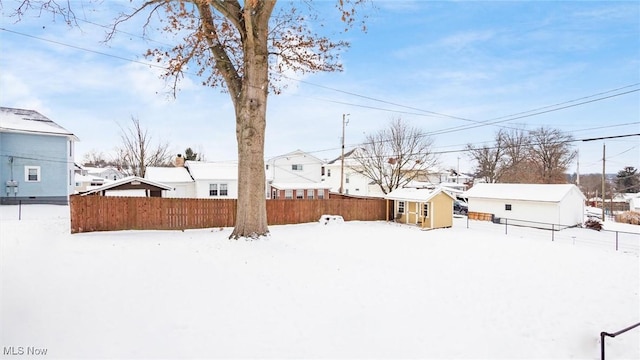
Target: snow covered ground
[{"x": 344, "y": 290}]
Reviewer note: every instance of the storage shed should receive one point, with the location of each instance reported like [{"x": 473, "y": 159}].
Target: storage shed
[
  {"x": 536, "y": 205},
  {"x": 132, "y": 186},
  {"x": 429, "y": 208}
]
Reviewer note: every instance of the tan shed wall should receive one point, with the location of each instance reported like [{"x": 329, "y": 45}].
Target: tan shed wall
[{"x": 440, "y": 208}]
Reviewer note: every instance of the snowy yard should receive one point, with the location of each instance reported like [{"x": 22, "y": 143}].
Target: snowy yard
[{"x": 349, "y": 290}]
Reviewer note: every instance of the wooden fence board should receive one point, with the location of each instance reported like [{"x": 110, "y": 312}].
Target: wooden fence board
[{"x": 107, "y": 213}]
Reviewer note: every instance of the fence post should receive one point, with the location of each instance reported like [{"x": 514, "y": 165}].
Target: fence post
[
  {"x": 505, "y": 225},
  {"x": 553, "y": 230},
  {"x": 616, "y": 241},
  {"x": 467, "y": 220}
]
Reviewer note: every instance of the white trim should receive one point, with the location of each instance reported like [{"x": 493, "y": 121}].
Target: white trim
[{"x": 26, "y": 173}]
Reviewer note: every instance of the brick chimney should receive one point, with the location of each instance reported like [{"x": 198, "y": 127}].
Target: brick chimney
[{"x": 179, "y": 162}]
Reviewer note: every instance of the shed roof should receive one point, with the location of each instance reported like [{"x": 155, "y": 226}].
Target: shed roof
[
  {"x": 526, "y": 192},
  {"x": 176, "y": 174},
  {"x": 131, "y": 180},
  {"x": 415, "y": 194},
  {"x": 30, "y": 122}
]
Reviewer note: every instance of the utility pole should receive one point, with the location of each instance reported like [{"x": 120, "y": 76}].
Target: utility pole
[
  {"x": 603, "y": 167},
  {"x": 344, "y": 123},
  {"x": 578, "y": 171},
  {"x": 458, "y": 172}
]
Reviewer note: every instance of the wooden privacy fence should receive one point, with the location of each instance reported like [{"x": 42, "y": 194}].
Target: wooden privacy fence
[{"x": 107, "y": 213}]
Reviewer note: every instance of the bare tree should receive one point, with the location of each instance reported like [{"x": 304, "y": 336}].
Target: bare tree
[
  {"x": 514, "y": 167},
  {"x": 238, "y": 45},
  {"x": 541, "y": 156},
  {"x": 137, "y": 152},
  {"x": 95, "y": 158},
  {"x": 489, "y": 159},
  {"x": 550, "y": 154},
  {"x": 394, "y": 156}
]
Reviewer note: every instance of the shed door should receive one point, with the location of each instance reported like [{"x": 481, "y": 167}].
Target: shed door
[{"x": 414, "y": 213}]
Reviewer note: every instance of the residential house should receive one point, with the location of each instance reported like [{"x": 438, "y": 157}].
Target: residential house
[
  {"x": 448, "y": 178},
  {"x": 177, "y": 177},
  {"x": 352, "y": 182},
  {"x": 299, "y": 191},
  {"x": 131, "y": 186},
  {"x": 214, "y": 180},
  {"x": 297, "y": 172},
  {"x": 535, "y": 205},
  {"x": 429, "y": 208},
  {"x": 36, "y": 158},
  {"x": 84, "y": 183},
  {"x": 109, "y": 173}
]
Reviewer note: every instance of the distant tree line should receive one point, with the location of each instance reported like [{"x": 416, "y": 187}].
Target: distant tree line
[{"x": 540, "y": 156}]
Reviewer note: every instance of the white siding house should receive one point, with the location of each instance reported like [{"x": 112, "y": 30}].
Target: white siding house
[
  {"x": 214, "y": 180},
  {"x": 353, "y": 183},
  {"x": 538, "y": 205},
  {"x": 297, "y": 167},
  {"x": 177, "y": 177}
]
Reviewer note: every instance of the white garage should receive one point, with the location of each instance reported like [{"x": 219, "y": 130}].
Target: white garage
[{"x": 538, "y": 205}]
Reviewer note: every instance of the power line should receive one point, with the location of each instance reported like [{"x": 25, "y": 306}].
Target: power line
[{"x": 494, "y": 121}]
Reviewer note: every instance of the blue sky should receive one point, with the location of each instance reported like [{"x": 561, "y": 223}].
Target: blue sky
[{"x": 469, "y": 61}]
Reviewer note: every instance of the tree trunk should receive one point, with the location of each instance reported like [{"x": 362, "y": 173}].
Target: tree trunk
[
  {"x": 251, "y": 212},
  {"x": 251, "y": 112}
]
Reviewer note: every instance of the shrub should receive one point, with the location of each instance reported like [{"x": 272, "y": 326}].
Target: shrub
[
  {"x": 629, "y": 217},
  {"x": 594, "y": 224}
]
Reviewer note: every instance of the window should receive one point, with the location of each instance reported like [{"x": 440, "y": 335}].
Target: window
[
  {"x": 310, "y": 194},
  {"x": 320, "y": 194},
  {"x": 70, "y": 148},
  {"x": 507, "y": 207},
  {"x": 299, "y": 194},
  {"x": 32, "y": 173},
  {"x": 425, "y": 209},
  {"x": 346, "y": 179},
  {"x": 218, "y": 190},
  {"x": 288, "y": 194},
  {"x": 400, "y": 207},
  {"x": 296, "y": 167},
  {"x": 322, "y": 171},
  {"x": 328, "y": 172}
]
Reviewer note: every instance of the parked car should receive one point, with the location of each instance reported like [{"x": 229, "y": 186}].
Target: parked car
[{"x": 460, "y": 208}]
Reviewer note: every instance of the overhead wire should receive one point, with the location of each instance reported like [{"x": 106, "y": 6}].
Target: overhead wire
[{"x": 417, "y": 111}]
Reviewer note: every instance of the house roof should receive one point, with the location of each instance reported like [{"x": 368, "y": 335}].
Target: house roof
[
  {"x": 346, "y": 156},
  {"x": 130, "y": 180},
  {"x": 176, "y": 174},
  {"x": 525, "y": 192},
  {"x": 416, "y": 194},
  {"x": 296, "y": 186},
  {"x": 30, "y": 122},
  {"x": 297, "y": 152},
  {"x": 201, "y": 170}
]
